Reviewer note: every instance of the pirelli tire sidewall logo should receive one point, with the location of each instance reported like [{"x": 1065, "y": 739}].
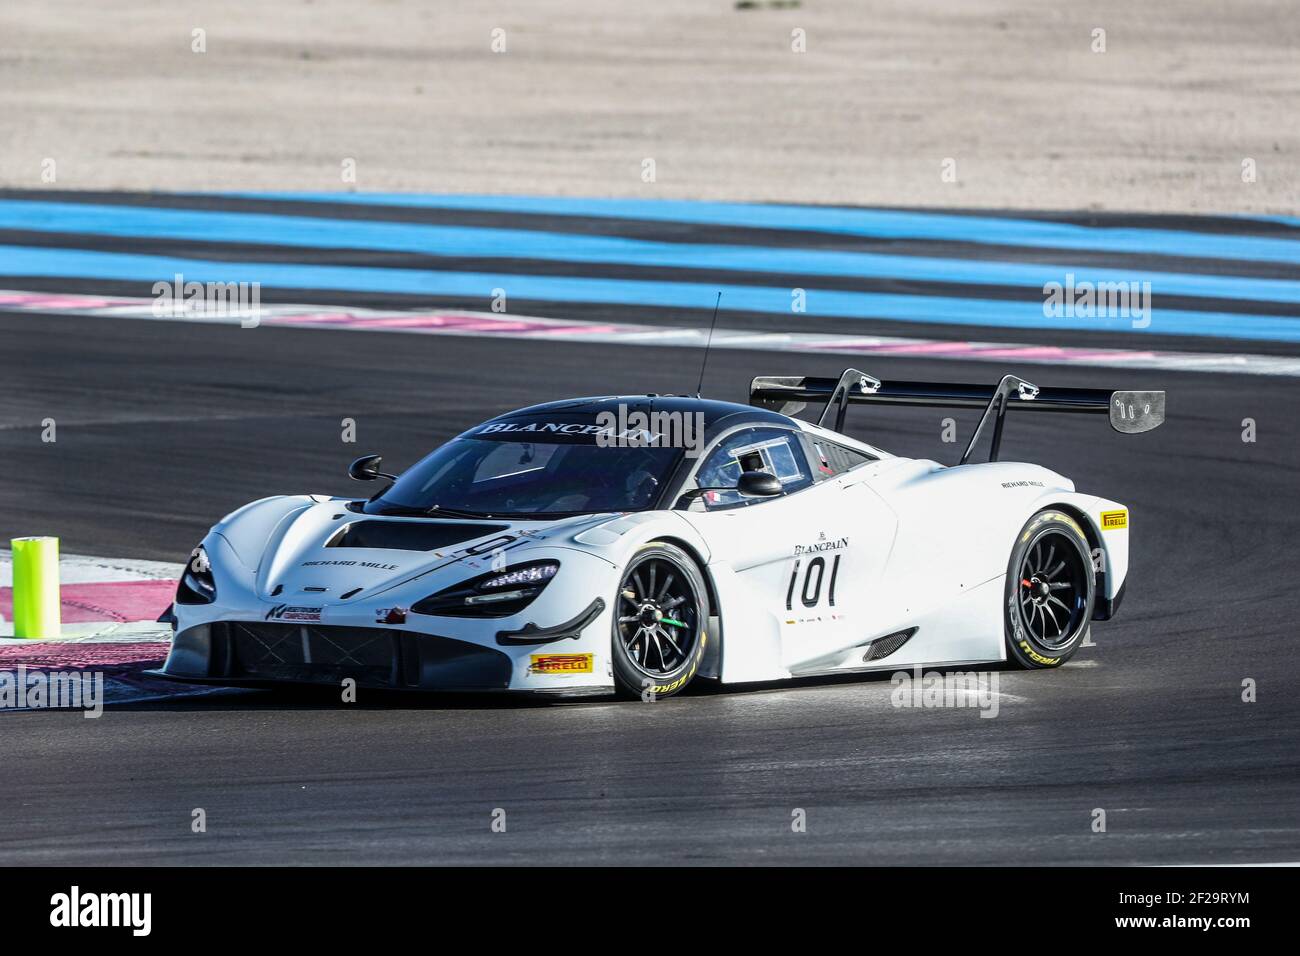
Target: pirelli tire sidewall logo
[
  {"x": 1047, "y": 516},
  {"x": 1018, "y": 635},
  {"x": 690, "y": 672}
]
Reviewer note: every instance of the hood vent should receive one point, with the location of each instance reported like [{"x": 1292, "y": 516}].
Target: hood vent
[{"x": 409, "y": 535}]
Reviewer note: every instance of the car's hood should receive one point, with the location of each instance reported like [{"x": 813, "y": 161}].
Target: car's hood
[{"x": 326, "y": 553}]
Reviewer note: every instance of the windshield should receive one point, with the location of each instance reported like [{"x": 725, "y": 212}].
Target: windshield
[{"x": 485, "y": 476}]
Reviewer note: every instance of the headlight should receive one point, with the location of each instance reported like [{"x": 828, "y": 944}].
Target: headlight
[
  {"x": 197, "y": 585},
  {"x": 497, "y": 594},
  {"x": 524, "y": 574}
]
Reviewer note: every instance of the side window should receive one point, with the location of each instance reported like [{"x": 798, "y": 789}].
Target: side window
[
  {"x": 771, "y": 450},
  {"x": 832, "y": 459}
]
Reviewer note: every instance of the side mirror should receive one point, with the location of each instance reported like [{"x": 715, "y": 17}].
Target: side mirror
[
  {"x": 366, "y": 468},
  {"x": 752, "y": 484},
  {"x": 759, "y": 484}
]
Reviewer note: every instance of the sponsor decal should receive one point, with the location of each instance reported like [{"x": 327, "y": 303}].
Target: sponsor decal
[
  {"x": 823, "y": 463},
  {"x": 561, "y": 663},
  {"x": 821, "y": 544},
  {"x": 292, "y": 612},
  {"x": 1111, "y": 520},
  {"x": 540, "y": 428},
  {"x": 622, "y": 429},
  {"x": 816, "y": 618},
  {"x": 1022, "y": 484},
  {"x": 818, "y": 579},
  {"x": 391, "y": 615},
  {"x": 374, "y": 565}
]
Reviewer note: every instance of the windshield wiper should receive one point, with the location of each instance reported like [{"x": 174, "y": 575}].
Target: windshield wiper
[
  {"x": 395, "y": 510},
  {"x": 512, "y": 515},
  {"x": 437, "y": 510}
]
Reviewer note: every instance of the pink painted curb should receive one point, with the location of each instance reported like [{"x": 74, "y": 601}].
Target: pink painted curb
[{"x": 113, "y": 601}]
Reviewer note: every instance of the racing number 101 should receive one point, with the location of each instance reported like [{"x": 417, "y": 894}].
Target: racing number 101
[{"x": 811, "y": 594}]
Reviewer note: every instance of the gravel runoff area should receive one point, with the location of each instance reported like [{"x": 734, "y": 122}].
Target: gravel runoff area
[{"x": 578, "y": 94}]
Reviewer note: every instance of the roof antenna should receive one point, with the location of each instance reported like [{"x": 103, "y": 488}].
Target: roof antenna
[{"x": 707, "y": 343}]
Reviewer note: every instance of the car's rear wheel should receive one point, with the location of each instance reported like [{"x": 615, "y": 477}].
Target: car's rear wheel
[
  {"x": 1050, "y": 591},
  {"x": 659, "y": 623}
]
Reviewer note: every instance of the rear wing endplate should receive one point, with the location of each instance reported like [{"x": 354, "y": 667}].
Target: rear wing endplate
[{"x": 1130, "y": 412}]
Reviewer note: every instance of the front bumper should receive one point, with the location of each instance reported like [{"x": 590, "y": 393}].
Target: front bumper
[
  {"x": 251, "y": 653},
  {"x": 559, "y": 643}
]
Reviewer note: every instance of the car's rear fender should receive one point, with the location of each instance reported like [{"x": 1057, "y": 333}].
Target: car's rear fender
[{"x": 1105, "y": 523}]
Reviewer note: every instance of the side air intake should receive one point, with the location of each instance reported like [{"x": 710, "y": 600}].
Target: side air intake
[{"x": 885, "y": 646}]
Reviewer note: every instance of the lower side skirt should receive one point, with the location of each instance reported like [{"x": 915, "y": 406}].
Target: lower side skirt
[{"x": 593, "y": 690}]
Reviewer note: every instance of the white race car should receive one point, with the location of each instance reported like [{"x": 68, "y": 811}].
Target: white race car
[{"x": 636, "y": 543}]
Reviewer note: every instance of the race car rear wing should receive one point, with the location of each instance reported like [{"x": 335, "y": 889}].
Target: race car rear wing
[{"x": 1130, "y": 412}]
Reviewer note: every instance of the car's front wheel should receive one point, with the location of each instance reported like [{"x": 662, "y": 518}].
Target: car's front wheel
[
  {"x": 659, "y": 623},
  {"x": 1050, "y": 591}
]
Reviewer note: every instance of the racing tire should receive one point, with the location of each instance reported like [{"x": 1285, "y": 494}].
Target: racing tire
[
  {"x": 659, "y": 627},
  {"x": 1050, "y": 591}
]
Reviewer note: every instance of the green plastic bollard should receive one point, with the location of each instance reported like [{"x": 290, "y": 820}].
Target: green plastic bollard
[{"x": 36, "y": 587}]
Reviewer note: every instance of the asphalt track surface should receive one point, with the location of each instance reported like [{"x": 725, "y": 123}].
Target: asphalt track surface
[{"x": 164, "y": 427}]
